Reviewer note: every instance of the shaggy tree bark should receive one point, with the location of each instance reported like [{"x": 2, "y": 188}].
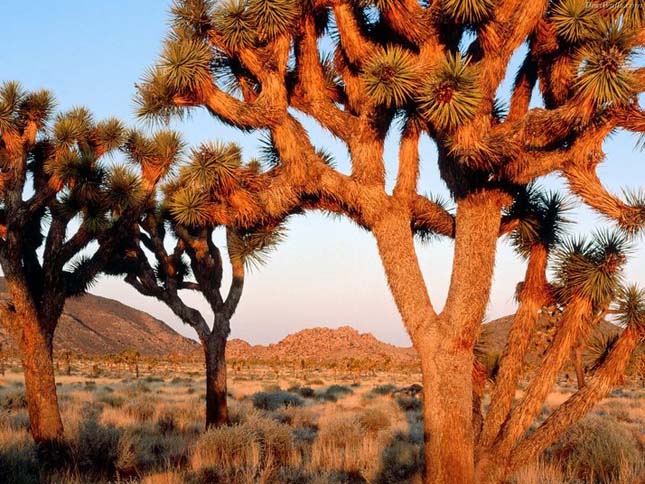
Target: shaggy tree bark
[
  {"x": 401, "y": 64},
  {"x": 36, "y": 349}
]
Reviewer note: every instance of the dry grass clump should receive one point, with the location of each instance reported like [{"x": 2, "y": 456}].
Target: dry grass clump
[
  {"x": 343, "y": 444},
  {"x": 142, "y": 410},
  {"x": 374, "y": 419},
  {"x": 539, "y": 473},
  {"x": 13, "y": 399},
  {"x": 598, "y": 449},
  {"x": 251, "y": 448}
]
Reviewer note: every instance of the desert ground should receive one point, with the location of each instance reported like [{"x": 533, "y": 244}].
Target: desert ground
[{"x": 308, "y": 426}]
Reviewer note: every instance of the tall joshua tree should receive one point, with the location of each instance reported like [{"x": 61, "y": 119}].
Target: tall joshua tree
[
  {"x": 364, "y": 68},
  {"x": 57, "y": 198},
  {"x": 180, "y": 221}
]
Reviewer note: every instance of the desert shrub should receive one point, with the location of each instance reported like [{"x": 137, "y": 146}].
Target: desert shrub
[
  {"x": 178, "y": 380},
  {"x": 18, "y": 460},
  {"x": 226, "y": 447},
  {"x": 374, "y": 420},
  {"x": 386, "y": 389},
  {"x": 334, "y": 392},
  {"x": 13, "y": 399},
  {"x": 401, "y": 460},
  {"x": 114, "y": 401},
  {"x": 409, "y": 404},
  {"x": 144, "y": 449},
  {"x": 96, "y": 447},
  {"x": 153, "y": 379},
  {"x": 253, "y": 446},
  {"x": 339, "y": 391},
  {"x": 275, "y": 400},
  {"x": 338, "y": 444},
  {"x": 298, "y": 417},
  {"x": 166, "y": 421},
  {"x": 596, "y": 448},
  {"x": 141, "y": 410},
  {"x": 305, "y": 392}
]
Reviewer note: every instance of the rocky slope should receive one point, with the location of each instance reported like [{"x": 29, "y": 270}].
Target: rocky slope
[
  {"x": 94, "y": 325},
  {"x": 324, "y": 346}
]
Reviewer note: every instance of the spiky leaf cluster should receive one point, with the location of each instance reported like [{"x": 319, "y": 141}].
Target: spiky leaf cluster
[
  {"x": 468, "y": 11},
  {"x": 629, "y": 306},
  {"x": 391, "y": 77},
  {"x": 575, "y": 20},
  {"x": 213, "y": 166},
  {"x": 17, "y": 107},
  {"x": 190, "y": 207},
  {"x": 452, "y": 95},
  {"x": 252, "y": 248},
  {"x": 235, "y": 24},
  {"x": 591, "y": 269},
  {"x": 541, "y": 219},
  {"x": 124, "y": 189},
  {"x": 185, "y": 64},
  {"x": 273, "y": 17},
  {"x": 604, "y": 76},
  {"x": 192, "y": 18}
]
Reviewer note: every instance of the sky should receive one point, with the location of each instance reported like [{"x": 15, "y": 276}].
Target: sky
[{"x": 327, "y": 272}]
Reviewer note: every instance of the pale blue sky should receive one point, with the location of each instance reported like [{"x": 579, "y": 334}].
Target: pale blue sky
[{"x": 328, "y": 272}]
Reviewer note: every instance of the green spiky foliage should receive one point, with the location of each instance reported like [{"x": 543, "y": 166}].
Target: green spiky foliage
[
  {"x": 273, "y": 17},
  {"x": 192, "y": 18},
  {"x": 391, "y": 77},
  {"x": 469, "y": 11},
  {"x": 185, "y": 64},
  {"x": 591, "y": 269},
  {"x": 629, "y": 306},
  {"x": 541, "y": 219},
  {"x": 575, "y": 20},
  {"x": 604, "y": 75},
  {"x": 598, "y": 349},
  {"x": 190, "y": 207},
  {"x": 253, "y": 248},
  {"x": 452, "y": 96},
  {"x": 234, "y": 23}
]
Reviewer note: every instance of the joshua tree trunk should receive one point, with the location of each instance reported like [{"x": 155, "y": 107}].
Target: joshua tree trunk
[
  {"x": 577, "y": 363},
  {"x": 445, "y": 341},
  {"x": 216, "y": 391},
  {"x": 38, "y": 365}
]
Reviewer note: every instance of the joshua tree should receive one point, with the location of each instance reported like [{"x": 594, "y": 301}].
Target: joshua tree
[
  {"x": 57, "y": 198},
  {"x": 366, "y": 68},
  {"x": 212, "y": 169}
]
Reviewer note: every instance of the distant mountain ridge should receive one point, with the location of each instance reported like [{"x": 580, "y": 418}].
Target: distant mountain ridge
[{"x": 94, "y": 326}]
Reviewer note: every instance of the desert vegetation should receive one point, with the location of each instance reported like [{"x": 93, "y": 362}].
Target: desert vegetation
[
  {"x": 362, "y": 70},
  {"x": 321, "y": 430}
]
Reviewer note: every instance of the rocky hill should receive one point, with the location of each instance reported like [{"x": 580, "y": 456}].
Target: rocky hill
[
  {"x": 495, "y": 333},
  {"x": 324, "y": 346},
  {"x": 94, "y": 325}
]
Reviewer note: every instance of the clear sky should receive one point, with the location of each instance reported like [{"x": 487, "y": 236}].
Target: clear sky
[{"x": 328, "y": 272}]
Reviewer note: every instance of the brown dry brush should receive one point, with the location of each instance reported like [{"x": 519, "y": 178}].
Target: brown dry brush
[
  {"x": 59, "y": 196},
  {"x": 362, "y": 69},
  {"x": 195, "y": 263}
]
